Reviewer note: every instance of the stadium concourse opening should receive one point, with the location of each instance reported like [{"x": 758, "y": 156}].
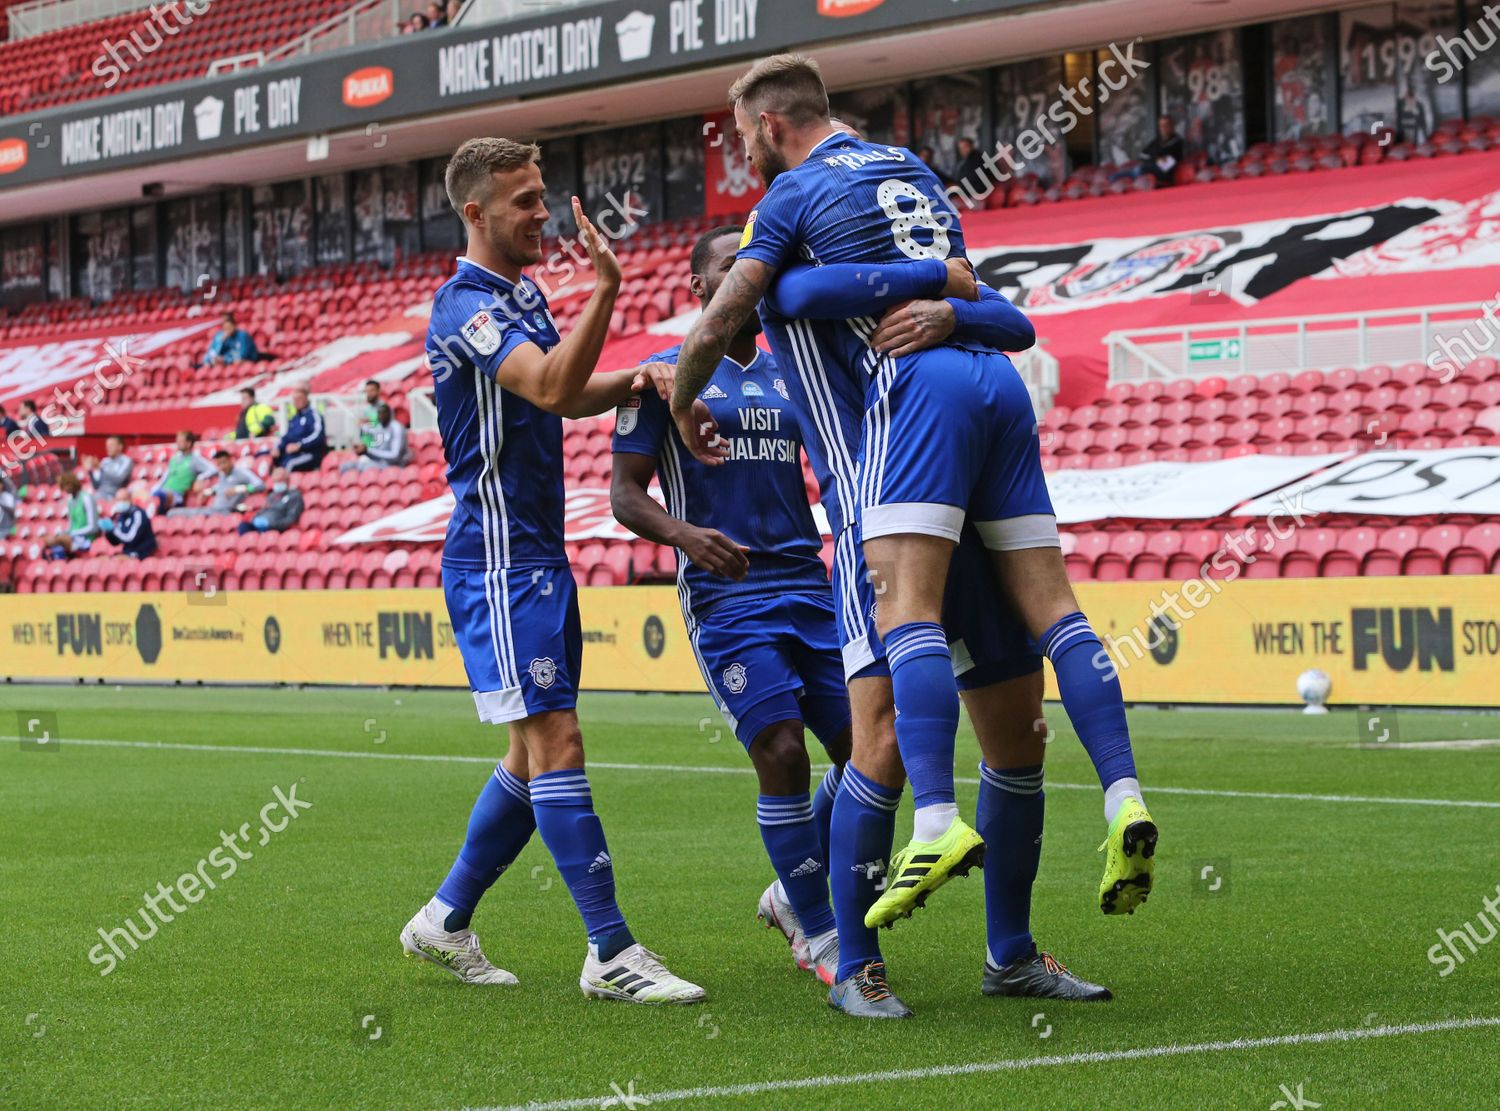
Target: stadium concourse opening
[{"x": 375, "y": 374}]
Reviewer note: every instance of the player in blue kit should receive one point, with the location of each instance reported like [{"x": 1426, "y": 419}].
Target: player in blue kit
[
  {"x": 999, "y": 671},
  {"x": 947, "y": 435},
  {"x": 503, "y": 380},
  {"x": 755, "y": 599}
]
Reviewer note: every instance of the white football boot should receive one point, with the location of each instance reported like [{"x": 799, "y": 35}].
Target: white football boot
[
  {"x": 458, "y": 952},
  {"x": 636, "y": 975}
]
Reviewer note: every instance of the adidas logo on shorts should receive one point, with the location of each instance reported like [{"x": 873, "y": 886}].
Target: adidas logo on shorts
[
  {"x": 807, "y": 867},
  {"x": 601, "y": 862}
]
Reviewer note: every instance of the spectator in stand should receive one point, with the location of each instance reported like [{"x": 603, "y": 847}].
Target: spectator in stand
[
  {"x": 32, "y": 421},
  {"x": 283, "y": 508},
  {"x": 437, "y": 15},
  {"x": 83, "y": 520},
  {"x": 7, "y": 423},
  {"x": 372, "y": 412},
  {"x": 454, "y": 7},
  {"x": 305, "y": 442},
  {"x": 1161, "y": 157},
  {"x": 417, "y": 22},
  {"x": 183, "y": 472},
  {"x": 110, "y": 475},
  {"x": 256, "y": 418},
  {"x": 129, "y": 527},
  {"x": 230, "y": 485},
  {"x": 10, "y": 497},
  {"x": 970, "y": 164},
  {"x": 929, "y": 159},
  {"x": 231, "y": 344},
  {"x": 387, "y": 449}
]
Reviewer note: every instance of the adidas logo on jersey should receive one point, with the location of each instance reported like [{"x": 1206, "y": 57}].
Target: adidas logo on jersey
[
  {"x": 713, "y": 393},
  {"x": 601, "y": 862},
  {"x": 807, "y": 867}
]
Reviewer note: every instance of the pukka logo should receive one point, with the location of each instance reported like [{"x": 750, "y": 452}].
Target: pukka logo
[
  {"x": 12, "y": 155},
  {"x": 841, "y": 9},
  {"x": 369, "y": 86}
]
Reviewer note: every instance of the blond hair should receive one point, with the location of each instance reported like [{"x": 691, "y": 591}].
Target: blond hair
[
  {"x": 468, "y": 177},
  {"x": 789, "y": 85}
]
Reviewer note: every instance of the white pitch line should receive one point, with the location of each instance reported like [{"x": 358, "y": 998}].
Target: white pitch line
[
  {"x": 433, "y": 758},
  {"x": 1014, "y": 1064}
]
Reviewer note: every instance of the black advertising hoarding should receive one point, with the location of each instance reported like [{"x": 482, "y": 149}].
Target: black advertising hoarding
[
  {"x": 438, "y": 71},
  {"x": 1367, "y": 68},
  {"x": 683, "y": 140},
  {"x": 1127, "y": 117},
  {"x": 947, "y": 109},
  {"x": 881, "y": 114},
  {"x": 23, "y": 264},
  {"x": 621, "y": 177},
  {"x": 1203, "y": 90},
  {"x": 1422, "y": 99},
  {"x": 1023, "y": 93},
  {"x": 1305, "y": 78}
]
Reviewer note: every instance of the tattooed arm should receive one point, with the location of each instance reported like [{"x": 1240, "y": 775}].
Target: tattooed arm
[{"x": 706, "y": 346}]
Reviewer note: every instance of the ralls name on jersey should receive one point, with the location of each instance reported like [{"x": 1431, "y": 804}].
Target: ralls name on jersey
[
  {"x": 855, "y": 159},
  {"x": 481, "y": 333}
]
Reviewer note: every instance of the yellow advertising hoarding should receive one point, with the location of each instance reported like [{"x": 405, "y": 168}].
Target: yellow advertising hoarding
[
  {"x": 1384, "y": 641},
  {"x": 633, "y": 638}
]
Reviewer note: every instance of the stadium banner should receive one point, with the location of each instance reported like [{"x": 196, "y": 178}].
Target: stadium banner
[
  {"x": 1306, "y": 77},
  {"x": 1181, "y": 491},
  {"x": 730, "y": 186},
  {"x": 79, "y": 371},
  {"x": 1203, "y": 90},
  {"x": 633, "y": 638},
  {"x": 613, "y": 43},
  {"x": 1159, "y": 491},
  {"x": 1384, "y": 641},
  {"x": 1398, "y": 484}
]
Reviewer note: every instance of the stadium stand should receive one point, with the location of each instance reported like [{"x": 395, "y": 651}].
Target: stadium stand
[{"x": 59, "y": 67}]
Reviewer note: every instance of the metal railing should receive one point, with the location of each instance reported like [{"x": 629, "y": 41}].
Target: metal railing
[
  {"x": 1039, "y": 370},
  {"x": 1293, "y": 344},
  {"x": 421, "y": 409},
  {"x": 37, "y": 17}
]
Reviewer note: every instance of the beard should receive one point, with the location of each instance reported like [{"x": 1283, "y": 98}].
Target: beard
[{"x": 768, "y": 162}]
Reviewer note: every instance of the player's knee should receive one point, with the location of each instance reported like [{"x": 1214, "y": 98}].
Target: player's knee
[{"x": 779, "y": 753}]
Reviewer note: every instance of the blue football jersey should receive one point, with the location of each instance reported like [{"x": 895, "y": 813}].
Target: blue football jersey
[
  {"x": 505, "y": 455},
  {"x": 855, "y": 202},
  {"x": 756, "y": 498}
]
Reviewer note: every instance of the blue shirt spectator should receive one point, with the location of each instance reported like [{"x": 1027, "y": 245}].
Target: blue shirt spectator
[
  {"x": 129, "y": 527},
  {"x": 306, "y": 441},
  {"x": 231, "y": 344}
]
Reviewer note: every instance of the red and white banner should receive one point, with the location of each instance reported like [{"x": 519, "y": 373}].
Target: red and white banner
[
  {"x": 1361, "y": 239},
  {"x": 1151, "y": 491},
  {"x": 1399, "y": 484},
  {"x": 32, "y": 369},
  {"x": 1176, "y": 491},
  {"x": 730, "y": 186}
]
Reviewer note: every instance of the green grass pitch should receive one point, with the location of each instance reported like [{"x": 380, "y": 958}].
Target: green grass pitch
[{"x": 1312, "y": 953}]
